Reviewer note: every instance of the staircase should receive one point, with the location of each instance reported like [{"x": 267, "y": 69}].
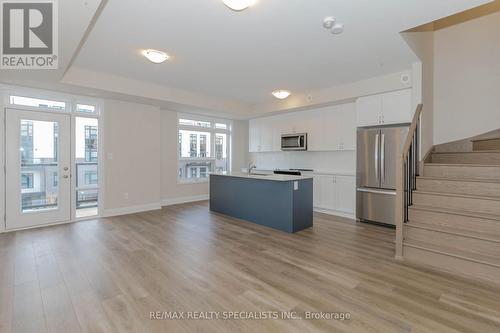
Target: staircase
[{"x": 454, "y": 221}]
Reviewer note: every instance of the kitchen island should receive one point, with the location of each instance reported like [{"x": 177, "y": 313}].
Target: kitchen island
[{"x": 282, "y": 202}]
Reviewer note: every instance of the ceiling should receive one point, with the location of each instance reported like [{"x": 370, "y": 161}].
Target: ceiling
[
  {"x": 245, "y": 55},
  {"x": 235, "y": 59}
]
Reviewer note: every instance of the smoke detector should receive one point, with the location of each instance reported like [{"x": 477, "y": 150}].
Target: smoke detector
[{"x": 330, "y": 23}]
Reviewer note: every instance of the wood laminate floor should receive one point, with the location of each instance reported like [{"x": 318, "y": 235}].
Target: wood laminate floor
[{"x": 107, "y": 275}]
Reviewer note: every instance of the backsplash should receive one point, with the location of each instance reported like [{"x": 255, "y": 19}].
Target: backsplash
[{"x": 334, "y": 161}]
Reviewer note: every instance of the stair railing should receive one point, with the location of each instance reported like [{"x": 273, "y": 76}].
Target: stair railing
[{"x": 407, "y": 170}]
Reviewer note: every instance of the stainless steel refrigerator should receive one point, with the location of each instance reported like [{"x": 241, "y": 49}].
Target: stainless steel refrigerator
[{"x": 377, "y": 149}]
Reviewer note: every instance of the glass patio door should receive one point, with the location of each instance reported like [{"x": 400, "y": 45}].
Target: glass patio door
[{"x": 38, "y": 168}]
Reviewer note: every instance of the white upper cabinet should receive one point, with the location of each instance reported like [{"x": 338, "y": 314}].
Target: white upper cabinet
[
  {"x": 396, "y": 107},
  {"x": 266, "y": 134},
  {"x": 254, "y": 135},
  {"x": 332, "y": 128},
  {"x": 261, "y": 135},
  {"x": 328, "y": 129},
  {"x": 384, "y": 109},
  {"x": 345, "y": 128},
  {"x": 369, "y": 110},
  {"x": 315, "y": 134}
]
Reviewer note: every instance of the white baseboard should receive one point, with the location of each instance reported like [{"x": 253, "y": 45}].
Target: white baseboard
[
  {"x": 130, "y": 210},
  {"x": 181, "y": 200},
  {"x": 335, "y": 213}
]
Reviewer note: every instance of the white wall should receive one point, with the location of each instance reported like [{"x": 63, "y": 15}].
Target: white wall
[
  {"x": 131, "y": 147},
  {"x": 467, "y": 79},
  {"x": 422, "y": 44},
  {"x": 240, "y": 145}
]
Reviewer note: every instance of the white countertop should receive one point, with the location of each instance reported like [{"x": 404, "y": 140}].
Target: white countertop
[
  {"x": 315, "y": 172},
  {"x": 273, "y": 177}
]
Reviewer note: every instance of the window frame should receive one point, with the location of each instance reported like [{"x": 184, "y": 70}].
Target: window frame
[{"x": 213, "y": 130}]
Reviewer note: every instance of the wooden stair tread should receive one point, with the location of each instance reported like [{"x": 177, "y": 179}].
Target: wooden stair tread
[
  {"x": 467, "y": 152},
  {"x": 485, "y": 139},
  {"x": 455, "y": 195},
  {"x": 472, "y": 180},
  {"x": 462, "y": 165},
  {"x": 453, "y": 231},
  {"x": 457, "y": 212},
  {"x": 457, "y": 253}
]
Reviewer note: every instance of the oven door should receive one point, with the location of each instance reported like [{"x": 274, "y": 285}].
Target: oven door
[{"x": 294, "y": 142}]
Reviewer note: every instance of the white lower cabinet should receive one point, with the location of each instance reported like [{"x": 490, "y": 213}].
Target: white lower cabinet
[{"x": 335, "y": 194}]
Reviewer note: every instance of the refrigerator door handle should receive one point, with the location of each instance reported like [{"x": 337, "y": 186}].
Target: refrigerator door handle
[
  {"x": 376, "y": 156},
  {"x": 382, "y": 158}
]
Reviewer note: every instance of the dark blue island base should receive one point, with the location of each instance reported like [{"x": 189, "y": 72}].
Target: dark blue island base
[{"x": 285, "y": 205}]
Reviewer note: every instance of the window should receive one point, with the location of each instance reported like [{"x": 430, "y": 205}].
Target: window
[
  {"x": 193, "y": 172},
  {"x": 195, "y": 123},
  {"x": 38, "y": 103},
  {"x": 203, "y": 172},
  {"x": 85, "y": 108},
  {"x": 221, "y": 126},
  {"x": 221, "y": 152},
  {"x": 87, "y": 165},
  {"x": 55, "y": 179},
  {"x": 91, "y": 178},
  {"x": 192, "y": 145},
  {"x": 203, "y": 147},
  {"x": 90, "y": 143},
  {"x": 26, "y": 181},
  {"x": 27, "y": 152}
]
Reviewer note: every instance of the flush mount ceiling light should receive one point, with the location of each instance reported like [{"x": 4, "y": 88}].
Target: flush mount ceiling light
[
  {"x": 281, "y": 94},
  {"x": 238, "y": 5},
  {"x": 155, "y": 56}
]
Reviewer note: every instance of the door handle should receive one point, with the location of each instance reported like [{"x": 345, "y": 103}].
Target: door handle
[
  {"x": 382, "y": 158},
  {"x": 376, "y": 156},
  {"x": 65, "y": 168}
]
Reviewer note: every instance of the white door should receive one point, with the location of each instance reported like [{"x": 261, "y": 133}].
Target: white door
[{"x": 37, "y": 168}]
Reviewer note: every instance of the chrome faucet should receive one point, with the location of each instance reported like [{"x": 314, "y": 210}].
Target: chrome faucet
[{"x": 251, "y": 166}]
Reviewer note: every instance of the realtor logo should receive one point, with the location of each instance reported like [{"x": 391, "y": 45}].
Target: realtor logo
[{"x": 29, "y": 34}]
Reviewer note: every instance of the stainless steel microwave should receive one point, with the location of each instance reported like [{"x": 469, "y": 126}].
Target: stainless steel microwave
[{"x": 294, "y": 141}]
